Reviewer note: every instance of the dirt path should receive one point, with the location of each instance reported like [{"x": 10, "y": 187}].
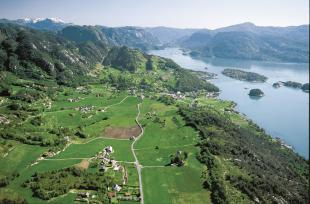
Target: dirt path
[
  {"x": 109, "y": 106},
  {"x": 138, "y": 165}
]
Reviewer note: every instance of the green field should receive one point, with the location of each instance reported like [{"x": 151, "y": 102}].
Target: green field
[
  {"x": 90, "y": 149},
  {"x": 165, "y": 133},
  {"x": 174, "y": 136}
]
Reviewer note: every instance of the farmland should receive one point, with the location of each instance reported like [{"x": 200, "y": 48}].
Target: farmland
[
  {"x": 106, "y": 117},
  {"x": 118, "y": 110}
]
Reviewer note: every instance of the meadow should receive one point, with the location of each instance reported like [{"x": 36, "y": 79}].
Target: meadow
[{"x": 165, "y": 134}]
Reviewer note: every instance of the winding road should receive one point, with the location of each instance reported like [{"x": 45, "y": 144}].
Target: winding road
[{"x": 138, "y": 165}]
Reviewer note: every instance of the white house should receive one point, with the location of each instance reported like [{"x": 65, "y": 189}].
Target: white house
[
  {"x": 117, "y": 188},
  {"x": 109, "y": 149}
]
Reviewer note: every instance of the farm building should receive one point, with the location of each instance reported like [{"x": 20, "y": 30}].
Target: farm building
[{"x": 117, "y": 188}]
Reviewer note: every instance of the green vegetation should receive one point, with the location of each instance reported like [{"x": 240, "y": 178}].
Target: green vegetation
[
  {"x": 243, "y": 75},
  {"x": 262, "y": 173},
  {"x": 55, "y": 183},
  {"x": 251, "y": 42},
  {"x": 305, "y": 87},
  {"x": 68, "y": 138},
  {"x": 293, "y": 84},
  {"x": 256, "y": 93}
]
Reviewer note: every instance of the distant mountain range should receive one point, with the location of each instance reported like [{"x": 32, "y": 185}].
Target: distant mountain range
[
  {"x": 50, "y": 24},
  {"x": 242, "y": 41},
  {"x": 248, "y": 41},
  {"x": 168, "y": 35}
]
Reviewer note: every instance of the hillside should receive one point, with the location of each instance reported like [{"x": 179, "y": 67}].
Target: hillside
[
  {"x": 132, "y": 37},
  {"x": 82, "y": 120},
  {"x": 247, "y": 41},
  {"x": 129, "y": 36},
  {"x": 42, "y": 55}
]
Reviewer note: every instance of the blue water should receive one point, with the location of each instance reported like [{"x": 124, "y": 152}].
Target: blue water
[{"x": 282, "y": 112}]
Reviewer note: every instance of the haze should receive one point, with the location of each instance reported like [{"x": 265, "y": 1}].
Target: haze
[{"x": 172, "y": 13}]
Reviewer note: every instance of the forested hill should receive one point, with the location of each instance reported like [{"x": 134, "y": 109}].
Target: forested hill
[
  {"x": 247, "y": 41},
  {"x": 242, "y": 41},
  {"x": 122, "y": 36},
  {"x": 43, "y": 55},
  {"x": 38, "y": 55},
  {"x": 129, "y": 36}
]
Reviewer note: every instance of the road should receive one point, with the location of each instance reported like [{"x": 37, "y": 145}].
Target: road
[{"x": 138, "y": 165}]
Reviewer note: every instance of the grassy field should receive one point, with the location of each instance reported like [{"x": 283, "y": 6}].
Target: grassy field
[
  {"x": 90, "y": 149},
  {"x": 173, "y": 184},
  {"x": 165, "y": 133}
]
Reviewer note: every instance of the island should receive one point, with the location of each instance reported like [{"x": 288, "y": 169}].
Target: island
[
  {"x": 293, "y": 84},
  {"x": 256, "y": 93},
  {"x": 244, "y": 76},
  {"x": 305, "y": 87},
  {"x": 277, "y": 85}
]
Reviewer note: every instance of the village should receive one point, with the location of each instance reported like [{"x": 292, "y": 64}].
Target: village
[{"x": 105, "y": 163}]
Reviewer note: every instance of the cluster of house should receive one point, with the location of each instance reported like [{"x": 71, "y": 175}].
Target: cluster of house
[
  {"x": 211, "y": 94},
  {"x": 282, "y": 143},
  {"x": 47, "y": 104},
  {"x": 4, "y": 120},
  {"x": 83, "y": 90},
  {"x": 85, "y": 109},
  {"x": 177, "y": 95},
  {"x": 106, "y": 162},
  {"x": 73, "y": 99}
]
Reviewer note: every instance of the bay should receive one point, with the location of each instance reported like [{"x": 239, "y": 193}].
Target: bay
[{"x": 283, "y": 112}]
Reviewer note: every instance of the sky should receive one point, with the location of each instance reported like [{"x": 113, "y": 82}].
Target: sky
[{"x": 171, "y": 13}]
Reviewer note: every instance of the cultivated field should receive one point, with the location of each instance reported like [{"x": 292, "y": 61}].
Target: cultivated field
[{"x": 109, "y": 120}]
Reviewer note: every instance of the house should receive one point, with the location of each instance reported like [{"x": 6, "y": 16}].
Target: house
[
  {"x": 84, "y": 194},
  {"x": 113, "y": 162},
  {"x": 103, "y": 168},
  {"x": 127, "y": 194},
  {"x": 111, "y": 194},
  {"x": 117, "y": 168},
  {"x": 117, "y": 188},
  {"x": 108, "y": 149}
]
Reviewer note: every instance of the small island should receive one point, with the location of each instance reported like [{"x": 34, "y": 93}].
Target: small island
[
  {"x": 305, "y": 87},
  {"x": 256, "y": 93},
  {"x": 276, "y": 84},
  {"x": 293, "y": 84},
  {"x": 244, "y": 76}
]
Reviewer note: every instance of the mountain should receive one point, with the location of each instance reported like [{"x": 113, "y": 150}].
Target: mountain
[
  {"x": 81, "y": 34},
  {"x": 131, "y": 37},
  {"x": 42, "y": 55},
  {"x": 63, "y": 102},
  {"x": 38, "y": 55},
  {"x": 248, "y": 41},
  {"x": 128, "y": 36},
  {"x": 168, "y": 35},
  {"x": 50, "y": 24}
]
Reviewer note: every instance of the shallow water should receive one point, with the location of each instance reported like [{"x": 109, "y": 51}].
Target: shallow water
[{"x": 282, "y": 112}]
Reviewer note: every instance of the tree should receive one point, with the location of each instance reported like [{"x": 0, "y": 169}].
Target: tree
[
  {"x": 9, "y": 45},
  {"x": 149, "y": 64}
]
